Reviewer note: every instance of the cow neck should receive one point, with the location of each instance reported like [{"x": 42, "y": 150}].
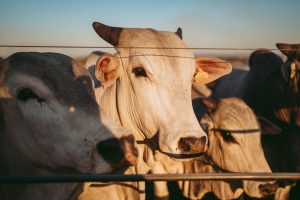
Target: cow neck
[
  {"x": 122, "y": 103},
  {"x": 108, "y": 103},
  {"x": 118, "y": 101}
]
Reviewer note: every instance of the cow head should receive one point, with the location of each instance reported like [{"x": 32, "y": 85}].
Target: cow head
[
  {"x": 51, "y": 123},
  {"x": 290, "y": 113},
  {"x": 276, "y": 97},
  {"x": 235, "y": 144},
  {"x": 291, "y": 68},
  {"x": 151, "y": 76}
]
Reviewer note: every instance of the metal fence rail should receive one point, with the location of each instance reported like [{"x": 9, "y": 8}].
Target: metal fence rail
[{"x": 147, "y": 177}]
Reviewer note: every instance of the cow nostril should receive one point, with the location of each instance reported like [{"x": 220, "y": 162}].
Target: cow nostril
[
  {"x": 203, "y": 140},
  {"x": 192, "y": 144},
  {"x": 184, "y": 144},
  {"x": 267, "y": 189},
  {"x": 111, "y": 150}
]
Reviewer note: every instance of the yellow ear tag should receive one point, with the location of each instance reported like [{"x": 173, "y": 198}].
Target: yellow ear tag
[{"x": 200, "y": 76}]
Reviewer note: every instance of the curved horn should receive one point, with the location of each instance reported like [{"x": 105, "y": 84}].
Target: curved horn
[
  {"x": 108, "y": 33},
  {"x": 179, "y": 32}
]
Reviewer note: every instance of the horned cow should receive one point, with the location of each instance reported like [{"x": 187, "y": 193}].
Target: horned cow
[{"x": 151, "y": 72}]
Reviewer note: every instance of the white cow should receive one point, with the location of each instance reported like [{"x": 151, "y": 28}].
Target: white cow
[
  {"x": 50, "y": 124},
  {"x": 234, "y": 146},
  {"x": 146, "y": 87},
  {"x": 142, "y": 85}
]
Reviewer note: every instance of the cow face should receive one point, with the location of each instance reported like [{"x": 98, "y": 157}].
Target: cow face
[
  {"x": 235, "y": 144},
  {"x": 151, "y": 76},
  {"x": 50, "y": 122}
]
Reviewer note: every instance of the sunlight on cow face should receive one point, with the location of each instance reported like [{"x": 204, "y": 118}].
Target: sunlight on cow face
[
  {"x": 50, "y": 116},
  {"x": 153, "y": 87}
]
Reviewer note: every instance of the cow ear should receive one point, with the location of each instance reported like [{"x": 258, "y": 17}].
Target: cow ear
[
  {"x": 107, "y": 69},
  {"x": 209, "y": 69},
  {"x": 206, "y": 123},
  {"x": 268, "y": 127}
]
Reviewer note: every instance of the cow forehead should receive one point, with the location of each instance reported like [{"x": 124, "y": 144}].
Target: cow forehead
[
  {"x": 235, "y": 114},
  {"x": 57, "y": 71},
  {"x": 157, "y": 41},
  {"x": 157, "y": 48}
]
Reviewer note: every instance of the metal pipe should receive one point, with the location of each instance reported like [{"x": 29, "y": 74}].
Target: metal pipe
[{"x": 146, "y": 177}]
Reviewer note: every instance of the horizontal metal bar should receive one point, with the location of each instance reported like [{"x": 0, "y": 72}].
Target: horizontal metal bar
[{"x": 147, "y": 177}]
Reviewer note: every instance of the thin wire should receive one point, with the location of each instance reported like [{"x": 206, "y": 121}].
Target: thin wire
[
  {"x": 106, "y": 47},
  {"x": 170, "y": 56}
]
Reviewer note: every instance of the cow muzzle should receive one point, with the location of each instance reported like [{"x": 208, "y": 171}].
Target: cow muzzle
[
  {"x": 192, "y": 145},
  {"x": 267, "y": 189},
  {"x": 178, "y": 148},
  {"x": 119, "y": 153},
  {"x": 260, "y": 189}
]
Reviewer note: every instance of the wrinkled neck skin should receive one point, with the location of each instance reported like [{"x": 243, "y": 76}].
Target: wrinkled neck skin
[{"x": 116, "y": 101}]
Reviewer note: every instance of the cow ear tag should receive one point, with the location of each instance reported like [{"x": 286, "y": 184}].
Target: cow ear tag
[{"x": 209, "y": 69}]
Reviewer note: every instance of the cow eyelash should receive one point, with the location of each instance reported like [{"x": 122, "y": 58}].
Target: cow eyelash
[
  {"x": 139, "y": 72},
  {"x": 227, "y": 137},
  {"x": 26, "y": 94}
]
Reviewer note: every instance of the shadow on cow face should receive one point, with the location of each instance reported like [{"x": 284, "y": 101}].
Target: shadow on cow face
[{"x": 51, "y": 122}]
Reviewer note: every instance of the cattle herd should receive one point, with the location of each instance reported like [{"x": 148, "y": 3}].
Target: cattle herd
[{"x": 131, "y": 112}]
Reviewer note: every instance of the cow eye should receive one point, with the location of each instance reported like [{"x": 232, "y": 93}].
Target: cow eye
[
  {"x": 26, "y": 94},
  {"x": 227, "y": 137},
  {"x": 139, "y": 71}
]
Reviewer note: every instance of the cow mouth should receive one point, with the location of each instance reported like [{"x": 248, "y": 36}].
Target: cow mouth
[
  {"x": 183, "y": 156},
  {"x": 152, "y": 143}
]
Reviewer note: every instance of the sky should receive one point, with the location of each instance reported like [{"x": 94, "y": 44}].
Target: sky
[{"x": 205, "y": 23}]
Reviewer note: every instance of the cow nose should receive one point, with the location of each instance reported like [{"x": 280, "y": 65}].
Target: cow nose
[
  {"x": 193, "y": 144},
  {"x": 118, "y": 151},
  {"x": 267, "y": 189}
]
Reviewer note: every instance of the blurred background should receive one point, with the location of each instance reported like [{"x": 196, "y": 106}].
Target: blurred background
[{"x": 205, "y": 24}]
